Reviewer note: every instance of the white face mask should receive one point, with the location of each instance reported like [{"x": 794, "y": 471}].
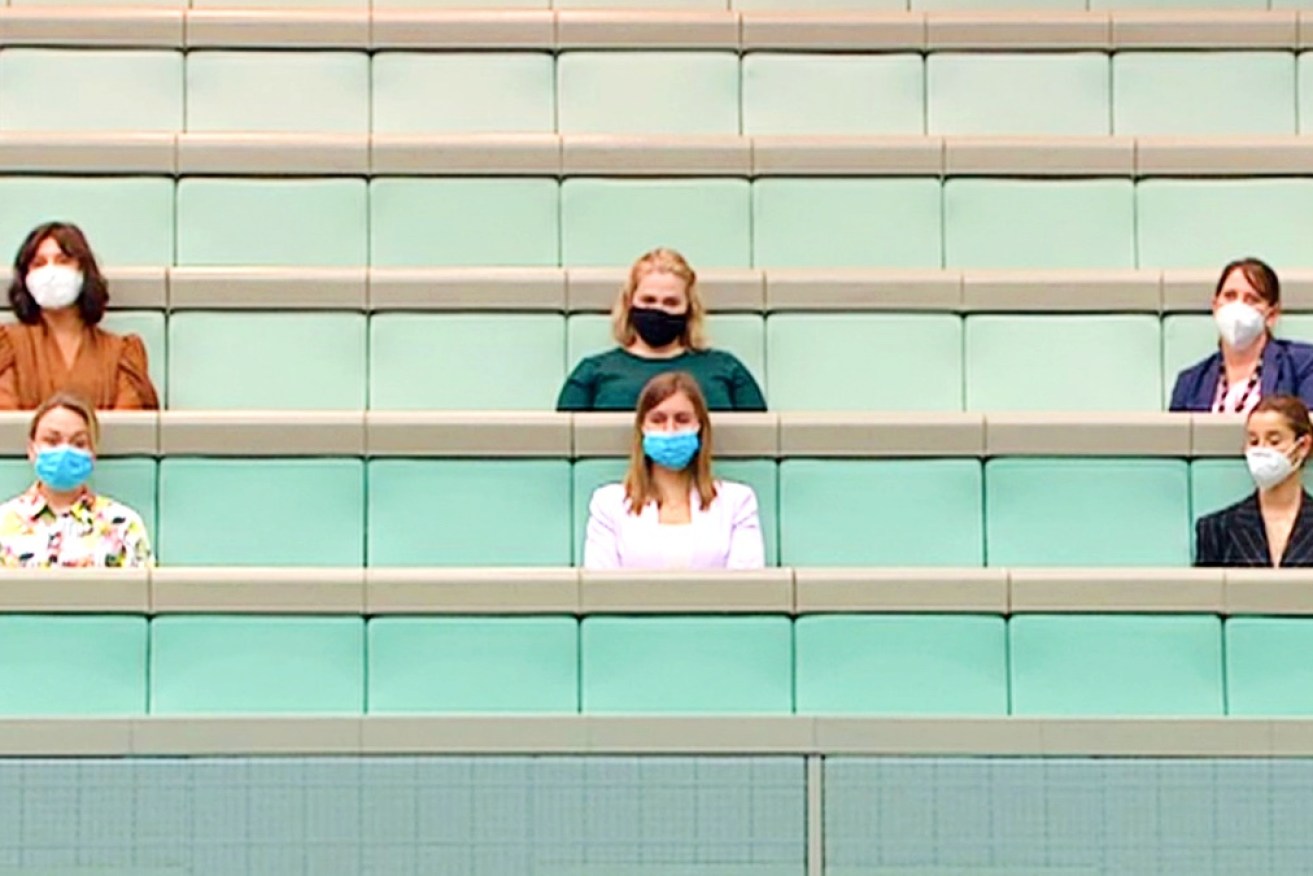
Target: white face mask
[
  {"x": 1239, "y": 324},
  {"x": 54, "y": 286},
  {"x": 1268, "y": 466}
]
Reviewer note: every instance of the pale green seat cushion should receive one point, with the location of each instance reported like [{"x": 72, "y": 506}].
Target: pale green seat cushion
[
  {"x": 1218, "y": 483},
  {"x": 818, "y": 223},
  {"x": 1180, "y": 226},
  {"x": 687, "y": 665},
  {"x": 463, "y": 92},
  {"x": 792, "y": 93},
  {"x": 300, "y": 91},
  {"x": 1304, "y": 73},
  {"x": 274, "y": 361},
  {"x": 760, "y": 474},
  {"x": 901, "y": 664},
  {"x": 129, "y": 480},
  {"x": 1024, "y": 224},
  {"x": 262, "y": 512},
  {"x": 90, "y": 90},
  {"x": 128, "y": 220},
  {"x": 149, "y": 326},
  {"x": 1090, "y": 664},
  {"x": 743, "y": 334},
  {"x": 454, "y": 222},
  {"x": 1202, "y": 93},
  {"x": 648, "y": 92},
  {"x": 473, "y": 664},
  {"x": 1269, "y": 666},
  {"x": 858, "y": 361},
  {"x": 1004, "y": 372},
  {"x": 84, "y": 665},
  {"x": 272, "y": 222},
  {"x": 235, "y": 664},
  {"x": 469, "y": 512},
  {"x": 1034, "y": 93},
  {"x": 1075, "y": 511},
  {"x": 841, "y": 512}
]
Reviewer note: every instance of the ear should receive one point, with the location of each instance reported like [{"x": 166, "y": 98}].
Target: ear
[{"x": 1273, "y": 314}]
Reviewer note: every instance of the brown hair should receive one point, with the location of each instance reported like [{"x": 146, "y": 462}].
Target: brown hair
[
  {"x": 1259, "y": 274},
  {"x": 70, "y": 401},
  {"x": 95, "y": 291},
  {"x": 664, "y": 261},
  {"x": 639, "y": 489}
]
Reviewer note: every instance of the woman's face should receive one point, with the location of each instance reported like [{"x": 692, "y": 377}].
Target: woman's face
[
  {"x": 662, "y": 291},
  {"x": 49, "y": 252},
  {"x": 1270, "y": 429},
  {"x": 60, "y": 426},
  {"x": 675, "y": 414},
  {"x": 1236, "y": 287}
]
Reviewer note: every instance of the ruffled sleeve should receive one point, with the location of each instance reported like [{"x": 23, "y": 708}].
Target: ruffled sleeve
[{"x": 135, "y": 390}]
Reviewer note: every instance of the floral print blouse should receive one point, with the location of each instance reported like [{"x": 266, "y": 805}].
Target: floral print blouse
[{"x": 95, "y": 532}]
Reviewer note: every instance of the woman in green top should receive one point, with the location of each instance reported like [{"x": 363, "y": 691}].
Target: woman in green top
[{"x": 658, "y": 323}]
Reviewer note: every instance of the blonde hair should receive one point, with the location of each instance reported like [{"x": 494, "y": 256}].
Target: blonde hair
[
  {"x": 69, "y": 401},
  {"x": 660, "y": 261},
  {"x": 639, "y": 489}
]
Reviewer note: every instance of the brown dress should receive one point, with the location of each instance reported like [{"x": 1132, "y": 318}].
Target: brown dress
[{"x": 109, "y": 370}]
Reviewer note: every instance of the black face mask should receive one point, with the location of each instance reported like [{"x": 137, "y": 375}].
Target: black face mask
[{"x": 656, "y": 327}]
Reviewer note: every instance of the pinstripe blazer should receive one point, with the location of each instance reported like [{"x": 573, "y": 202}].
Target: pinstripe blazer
[{"x": 1235, "y": 536}]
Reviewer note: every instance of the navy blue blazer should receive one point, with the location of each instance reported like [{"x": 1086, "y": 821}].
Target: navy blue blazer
[
  {"x": 1235, "y": 536},
  {"x": 1287, "y": 370}
]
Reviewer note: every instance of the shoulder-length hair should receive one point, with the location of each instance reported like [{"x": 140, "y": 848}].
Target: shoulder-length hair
[
  {"x": 72, "y": 402},
  {"x": 95, "y": 291},
  {"x": 663, "y": 261},
  {"x": 639, "y": 489},
  {"x": 1259, "y": 274}
]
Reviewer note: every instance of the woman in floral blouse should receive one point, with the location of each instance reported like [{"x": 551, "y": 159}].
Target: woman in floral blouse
[{"x": 59, "y": 521}]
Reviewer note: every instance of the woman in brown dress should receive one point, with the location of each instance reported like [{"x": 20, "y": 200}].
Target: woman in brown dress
[{"x": 59, "y": 297}]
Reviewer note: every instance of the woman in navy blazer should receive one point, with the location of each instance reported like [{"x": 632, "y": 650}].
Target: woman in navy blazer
[{"x": 1250, "y": 364}]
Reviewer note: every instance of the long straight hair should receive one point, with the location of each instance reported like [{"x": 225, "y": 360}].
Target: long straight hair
[{"x": 639, "y": 489}]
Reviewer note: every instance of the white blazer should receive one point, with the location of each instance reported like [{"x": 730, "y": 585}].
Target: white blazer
[{"x": 725, "y": 536}]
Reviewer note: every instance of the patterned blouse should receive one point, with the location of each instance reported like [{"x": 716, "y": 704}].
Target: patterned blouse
[{"x": 95, "y": 532}]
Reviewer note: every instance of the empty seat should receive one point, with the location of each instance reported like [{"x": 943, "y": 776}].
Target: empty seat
[
  {"x": 1034, "y": 93},
  {"x": 743, "y": 334},
  {"x": 446, "y": 222},
  {"x": 1196, "y": 93},
  {"x": 1038, "y": 363},
  {"x": 284, "y": 91},
  {"x": 1116, "y": 665},
  {"x": 847, "y": 361},
  {"x": 1087, "y": 512},
  {"x": 473, "y": 664},
  {"x": 149, "y": 326},
  {"x": 1188, "y": 338},
  {"x": 127, "y": 220},
  {"x": 1180, "y": 224},
  {"x": 86, "y": 665},
  {"x": 478, "y": 512},
  {"x": 809, "y": 223},
  {"x": 211, "y": 664},
  {"x": 261, "y": 512},
  {"x": 267, "y": 360},
  {"x": 647, "y": 92},
  {"x": 463, "y": 92},
  {"x": 858, "y": 512},
  {"x": 690, "y": 665},
  {"x": 788, "y": 93},
  {"x": 90, "y": 90},
  {"x": 1217, "y": 483},
  {"x": 130, "y": 480},
  {"x": 1268, "y": 666}
]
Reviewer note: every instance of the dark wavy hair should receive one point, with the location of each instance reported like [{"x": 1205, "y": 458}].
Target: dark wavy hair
[{"x": 95, "y": 291}]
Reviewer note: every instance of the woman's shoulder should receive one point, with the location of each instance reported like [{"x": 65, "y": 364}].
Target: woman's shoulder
[
  {"x": 609, "y": 495},
  {"x": 1225, "y": 516},
  {"x": 734, "y": 492}
]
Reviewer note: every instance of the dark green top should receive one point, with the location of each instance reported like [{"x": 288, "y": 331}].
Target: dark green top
[{"x": 611, "y": 381}]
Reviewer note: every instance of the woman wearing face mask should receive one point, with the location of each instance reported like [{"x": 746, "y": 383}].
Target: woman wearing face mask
[
  {"x": 1250, "y": 364},
  {"x": 658, "y": 323},
  {"x": 59, "y": 521},
  {"x": 670, "y": 513},
  {"x": 1274, "y": 526},
  {"x": 59, "y": 296}
]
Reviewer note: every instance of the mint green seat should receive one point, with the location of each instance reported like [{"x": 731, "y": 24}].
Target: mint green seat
[
  {"x": 1033, "y": 93},
  {"x": 1268, "y": 666},
  {"x": 480, "y": 512},
  {"x": 790, "y": 93},
  {"x": 85, "y": 665},
  {"x": 1052, "y": 224},
  {"x": 814, "y": 223},
  {"x": 1304, "y": 74},
  {"x": 845, "y": 361},
  {"x": 261, "y": 512},
  {"x": 1090, "y": 664},
  {"x": 473, "y": 664},
  {"x": 149, "y": 326},
  {"x": 267, "y": 360},
  {"x": 463, "y": 92},
  {"x": 901, "y": 664},
  {"x": 90, "y": 90},
  {"x": 1217, "y": 483},
  {"x": 452, "y": 222},
  {"x": 1087, "y": 512},
  {"x": 272, "y": 222},
  {"x": 1177, "y": 222},
  {"x": 688, "y": 665},
  {"x": 285, "y": 91},
  {"x": 1002, "y": 372},
  {"x": 611, "y": 222},
  {"x": 647, "y": 92},
  {"x": 130, "y": 480},
  {"x": 240, "y": 664},
  {"x": 1202, "y": 93},
  {"x": 839, "y": 512},
  {"x": 128, "y": 220},
  {"x": 743, "y": 334}
]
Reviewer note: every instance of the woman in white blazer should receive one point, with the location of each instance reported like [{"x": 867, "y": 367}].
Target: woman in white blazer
[{"x": 670, "y": 513}]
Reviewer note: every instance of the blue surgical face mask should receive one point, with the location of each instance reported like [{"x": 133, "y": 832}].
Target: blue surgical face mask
[
  {"x": 64, "y": 467},
  {"x": 672, "y": 450}
]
